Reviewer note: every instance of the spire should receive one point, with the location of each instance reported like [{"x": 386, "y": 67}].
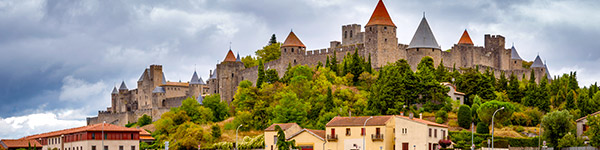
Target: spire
[
  {"x": 143, "y": 75},
  {"x": 159, "y": 89},
  {"x": 238, "y": 59},
  {"x": 465, "y": 38},
  {"x": 200, "y": 98},
  {"x": 194, "y": 79},
  {"x": 537, "y": 63},
  {"x": 292, "y": 41},
  {"x": 114, "y": 91},
  {"x": 423, "y": 37},
  {"x": 230, "y": 57},
  {"x": 123, "y": 86},
  {"x": 380, "y": 16},
  {"x": 514, "y": 54}
]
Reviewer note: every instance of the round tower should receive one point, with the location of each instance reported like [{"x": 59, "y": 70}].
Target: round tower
[
  {"x": 423, "y": 44},
  {"x": 380, "y": 35},
  {"x": 292, "y": 50}
]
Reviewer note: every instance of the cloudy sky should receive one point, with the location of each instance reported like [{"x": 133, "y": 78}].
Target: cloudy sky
[{"x": 60, "y": 59}]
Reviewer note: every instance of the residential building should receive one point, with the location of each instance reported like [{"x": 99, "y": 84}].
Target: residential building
[
  {"x": 306, "y": 139},
  {"x": 349, "y": 133},
  {"x": 271, "y": 133},
  {"x": 415, "y": 133},
  {"x": 13, "y": 144},
  {"x": 454, "y": 94},
  {"x": 582, "y": 125},
  {"x": 92, "y": 137}
]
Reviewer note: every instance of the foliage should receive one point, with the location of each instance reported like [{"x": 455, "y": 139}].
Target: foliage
[
  {"x": 182, "y": 124},
  {"x": 483, "y": 128},
  {"x": 129, "y": 125},
  {"x": 444, "y": 142},
  {"x": 462, "y": 140},
  {"x": 393, "y": 89},
  {"x": 282, "y": 144},
  {"x": 556, "y": 125},
  {"x": 593, "y": 131},
  {"x": 249, "y": 61},
  {"x": 464, "y": 116},
  {"x": 187, "y": 136},
  {"x": 570, "y": 140},
  {"x": 487, "y": 109},
  {"x": 255, "y": 142},
  {"x": 443, "y": 115},
  {"x": 291, "y": 109},
  {"x": 261, "y": 74},
  {"x": 271, "y": 76},
  {"x": 215, "y": 131},
  {"x": 144, "y": 120},
  {"x": 219, "y": 108},
  {"x": 269, "y": 53}
]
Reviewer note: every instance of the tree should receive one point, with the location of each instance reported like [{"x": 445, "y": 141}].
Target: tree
[
  {"x": 271, "y": 76},
  {"x": 144, "y": 120},
  {"x": 464, "y": 116},
  {"x": 334, "y": 63},
  {"x": 219, "y": 108},
  {"x": 513, "y": 91},
  {"x": 273, "y": 40},
  {"x": 197, "y": 113},
  {"x": 393, "y": 89},
  {"x": 441, "y": 73},
  {"x": 486, "y": 111},
  {"x": 261, "y": 74},
  {"x": 429, "y": 89},
  {"x": 187, "y": 136},
  {"x": 249, "y": 61},
  {"x": 569, "y": 140},
  {"x": 483, "y": 128},
  {"x": 556, "y": 125},
  {"x": 290, "y": 109},
  {"x": 269, "y": 53},
  {"x": 215, "y": 131},
  {"x": 593, "y": 131},
  {"x": 502, "y": 82}
]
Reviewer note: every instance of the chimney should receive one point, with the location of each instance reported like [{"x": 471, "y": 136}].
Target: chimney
[
  {"x": 210, "y": 73},
  {"x": 421, "y": 116},
  {"x": 401, "y": 113}
]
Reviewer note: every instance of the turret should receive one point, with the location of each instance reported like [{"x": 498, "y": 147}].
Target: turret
[
  {"x": 423, "y": 44},
  {"x": 123, "y": 87},
  {"x": 291, "y": 48},
  {"x": 515, "y": 60},
  {"x": 380, "y": 34}
]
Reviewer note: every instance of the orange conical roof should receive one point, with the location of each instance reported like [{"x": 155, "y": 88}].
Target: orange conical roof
[
  {"x": 230, "y": 56},
  {"x": 380, "y": 16},
  {"x": 292, "y": 41},
  {"x": 465, "y": 38}
]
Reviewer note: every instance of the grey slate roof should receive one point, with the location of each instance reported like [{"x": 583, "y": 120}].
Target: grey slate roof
[
  {"x": 200, "y": 98},
  {"x": 143, "y": 75},
  {"x": 158, "y": 89},
  {"x": 194, "y": 79},
  {"x": 537, "y": 63},
  {"x": 164, "y": 81},
  {"x": 514, "y": 54},
  {"x": 123, "y": 86},
  {"x": 423, "y": 37},
  {"x": 214, "y": 75},
  {"x": 238, "y": 58},
  {"x": 547, "y": 72},
  {"x": 115, "y": 91}
]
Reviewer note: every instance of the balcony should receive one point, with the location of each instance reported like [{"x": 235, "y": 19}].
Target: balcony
[
  {"x": 333, "y": 137},
  {"x": 377, "y": 137}
]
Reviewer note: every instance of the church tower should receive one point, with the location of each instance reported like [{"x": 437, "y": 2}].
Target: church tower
[{"x": 380, "y": 35}]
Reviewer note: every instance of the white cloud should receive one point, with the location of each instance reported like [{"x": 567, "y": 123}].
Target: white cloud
[
  {"x": 20, "y": 126},
  {"x": 79, "y": 90}
]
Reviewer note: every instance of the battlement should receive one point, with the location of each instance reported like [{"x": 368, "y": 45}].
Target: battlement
[
  {"x": 494, "y": 41},
  {"x": 340, "y": 49}
]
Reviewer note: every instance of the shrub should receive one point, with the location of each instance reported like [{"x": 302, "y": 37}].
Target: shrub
[
  {"x": 482, "y": 128},
  {"x": 535, "y": 116},
  {"x": 439, "y": 120},
  {"x": 520, "y": 118},
  {"x": 129, "y": 125},
  {"x": 216, "y": 131},
  {"x": 144, "y": 120},
  {"x": 464, "y": 116},
  {"x": 441, "y": 114},
  {"x": 452, "y": 123}
]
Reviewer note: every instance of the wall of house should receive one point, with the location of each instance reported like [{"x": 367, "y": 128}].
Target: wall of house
[
  {"x": 307, "y": 139},
  {"x": 347, "y": 142}
]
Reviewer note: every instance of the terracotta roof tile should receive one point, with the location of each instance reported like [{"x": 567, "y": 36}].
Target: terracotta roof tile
[
  {"x": 465, "y": 38},
  {"x": 318, "y": 133},
  {"x": 358, "y": 121},
  {"x": 19, "y": 143},
  {"x": 175, "y": 84},
  {"x": 380, "y": 16},
  {"x": 596, "y": 113},
  {"x": 292, "y": 41},
  {"x": 424, "y": 121},
  {"x": 284, "y": 126},
  {"x": 95, "y": 127},
  {"x": 230, "y": 57}
]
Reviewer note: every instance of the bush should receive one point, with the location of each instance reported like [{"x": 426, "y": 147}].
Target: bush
[
  {"x": 129, "y": 125},
  {"x": 482, "y": 128},
  {"x": 144, "y": 120},
  {"x": 441, "y": 114},
  {"x": 439, "y": 120},
  {"x": 520, "y": 118},
  {"x": 464, "y": 116},
  {"x": 216, "y": 131},
  {"x": 535, "y": 115}
]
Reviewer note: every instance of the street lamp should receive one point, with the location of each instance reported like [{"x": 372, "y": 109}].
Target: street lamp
[
  {"x": 540, "y": 135},
  {"x": 365, "y": 128},
  {"x": 236, "y": 135},
  {"x": 493, "y": 125}
]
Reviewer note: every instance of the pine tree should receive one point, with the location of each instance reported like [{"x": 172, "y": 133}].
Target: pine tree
[
  {"x": 327, "y": 62},
  {"x": 441, "y": 74},
  {"x": 273, "y": 39},
  {"x": 514, "y": 94},
  {"x": 261, "y": 74},
  {"x": 368, "y": 67},
  {"x": 543, "y": 99},
  {"x": 334, "y": 63},
  {"x": 502, "y": 82}
]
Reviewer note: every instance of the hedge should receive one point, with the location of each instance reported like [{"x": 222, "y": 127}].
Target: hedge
[{"x": 463, "y": 140}]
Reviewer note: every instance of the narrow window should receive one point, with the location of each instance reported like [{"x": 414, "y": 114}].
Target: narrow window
[
  {"x": 377, "y": 131},
  {"x": 429, "y": 132},
  {"x": 435, "y": 133},
  {"x": 120, "y": 147},
  {"x": 345, "y": 34},
  {"x": 347, "y": 131},
  {"x": 105, "y": 147},
  {"x": 350, "y": 33},
  {"x": 292, "y": 50},
  {"x": 132, "y": 136},
  {"x": 362, "y": 131},
  {"x": 93, "y": 147},
  {"x": 132, "y": 147}
]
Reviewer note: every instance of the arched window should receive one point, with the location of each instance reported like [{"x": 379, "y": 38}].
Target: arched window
[
  {"x": 232, "y": 75},
  {"x": 384, "y": 28},
  {"x": 294, "y": 61},
  {"x": 350, "y": 33},
  {"x": 292, "y": 50},
  {"x": 345, "y": 34}
]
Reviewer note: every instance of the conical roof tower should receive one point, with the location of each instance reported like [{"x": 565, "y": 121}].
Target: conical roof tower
[
  {"x": 230, "y": 57},
  {"x": 380, "y": 16},
  {"x": 513, "y": 54},
  {"x": 123, "y": 86},
  {"x": 292, "y": 41},
  {"x": 423, "y": 37},
  {"x": 537, "y": 63},
  {"x": 465, "y": 38}
]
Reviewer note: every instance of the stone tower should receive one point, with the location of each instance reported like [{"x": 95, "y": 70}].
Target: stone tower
[
  {"x": 229, "y": 75},
  {"x": 516, "y": 61},
  {"x": 351, "y": 34},
  {"x": 292, "y": 50},
  {"x": 423, "y": 44},
  {"x": 196, "y": 85},
  {"x": 380, "y": 35}
]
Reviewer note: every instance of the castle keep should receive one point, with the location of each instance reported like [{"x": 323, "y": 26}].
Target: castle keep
[{"x": 154, "y": 96}]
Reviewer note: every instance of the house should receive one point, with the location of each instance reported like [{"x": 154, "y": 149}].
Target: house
[
  {"x": 582, "y": 125},
  {"x": 308, "y": 139},
  {"x": 455, "y": 95},
  {"x": 91, "y": 137},
  {"x": 349, "y": 133},
  {"x": 13, "y": 144},
  {"x": 271, "y": 133},
  {"x": 145, "y": 136},
  {"x": 416, "y": 133}
]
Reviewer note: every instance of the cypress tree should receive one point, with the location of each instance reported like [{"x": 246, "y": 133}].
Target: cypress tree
[
  {"x": 273, "y": 39},
  {"x": 368, "y": 67},
  {"x": 261, "y": 73}
]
